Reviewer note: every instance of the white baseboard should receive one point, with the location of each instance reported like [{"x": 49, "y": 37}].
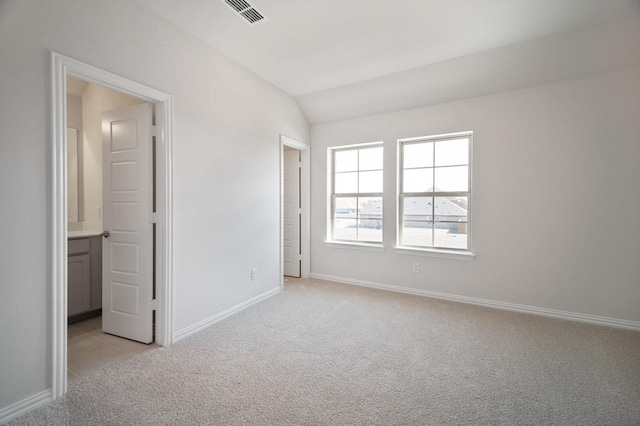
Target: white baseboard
[
  {"x": 22, "y": 407},
  {"x": 554, "y": 313},
  {"x": 200, "y": 325}
]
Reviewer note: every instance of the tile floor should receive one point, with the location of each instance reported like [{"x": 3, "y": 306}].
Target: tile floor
[{"x": 89, "y": 349}]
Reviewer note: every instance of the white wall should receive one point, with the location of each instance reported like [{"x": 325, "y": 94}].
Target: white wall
[
  {"x": 74, "y": 112},
  {"x": 74, "y": 120},
  {"x": 556, "y": 170},
  {"x": 96, "y": 100},
  {"x": 226, "y": 161}
]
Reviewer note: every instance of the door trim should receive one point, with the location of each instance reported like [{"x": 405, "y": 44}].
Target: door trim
[
  {"x": 305, "y": 201},
  {"x": 61, "y": 66}
]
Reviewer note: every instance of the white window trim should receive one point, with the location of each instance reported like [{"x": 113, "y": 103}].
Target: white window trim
[
  {"x": 345, "y": 244},
  {"x": 352, "y": 245},
  {"x": 434, "y": 252},
  {"x": 460, "y": 254}
]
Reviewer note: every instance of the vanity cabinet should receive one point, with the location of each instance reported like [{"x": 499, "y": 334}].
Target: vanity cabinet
[
  {"x": 79, "y": 284},
  {"x": 84, "y": 275}
]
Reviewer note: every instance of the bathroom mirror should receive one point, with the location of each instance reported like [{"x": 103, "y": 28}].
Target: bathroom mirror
[{"x": 72, "y": 174}]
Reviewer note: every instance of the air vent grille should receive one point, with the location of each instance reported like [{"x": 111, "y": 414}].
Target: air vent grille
[
  {"x": 238, "y": 5},
  {"x": 246, "y": 10},
  {"x": 252, "y": 15}
]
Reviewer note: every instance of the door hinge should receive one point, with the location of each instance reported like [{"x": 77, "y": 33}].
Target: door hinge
[
  {"x": 154, "y": 131},
  {"x": 154, "y": 305},
  {"x": 154, "y": 217},
  {"x": 299, "y": 257}
]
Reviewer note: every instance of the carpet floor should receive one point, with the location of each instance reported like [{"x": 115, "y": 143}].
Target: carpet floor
[{"x": 321, "y": 353}]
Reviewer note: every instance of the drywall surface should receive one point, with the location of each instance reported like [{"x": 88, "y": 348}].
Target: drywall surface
[
  {"x": 226, "y": 180},
  {"x": 596, "y": 49},
  {"x": 74, "y": 112},
  {"x": 555, "y": 197},
  {"x": 74, "y": 120}
]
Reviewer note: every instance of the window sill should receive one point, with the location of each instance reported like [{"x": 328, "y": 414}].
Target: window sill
[
  {"x": 443, "y": 254},
  {"x": 355, "y": 246}
]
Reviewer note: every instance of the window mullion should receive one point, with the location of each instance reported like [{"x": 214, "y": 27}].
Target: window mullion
[
  {"x": 357, "y": 196},
  {"x": 333, "y": 215},
  {"x": 433, "y": 199}
]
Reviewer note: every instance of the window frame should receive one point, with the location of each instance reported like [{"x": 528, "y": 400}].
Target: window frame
[
  {"x": 447, "y": 252},
  {"x": 332, "y": 196}
]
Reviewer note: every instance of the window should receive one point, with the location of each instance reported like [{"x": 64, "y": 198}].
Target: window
[
  {"x": 355, "y": 190},
  {"x": 435, "y": 188}
]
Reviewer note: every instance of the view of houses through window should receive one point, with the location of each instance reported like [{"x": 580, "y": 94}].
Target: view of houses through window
[
  {"x": 356, "y": 210},
  {"x": 434, "y": 191}
]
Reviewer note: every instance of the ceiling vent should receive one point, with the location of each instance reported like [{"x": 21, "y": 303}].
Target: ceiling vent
[{"x": 246, "y": 10}]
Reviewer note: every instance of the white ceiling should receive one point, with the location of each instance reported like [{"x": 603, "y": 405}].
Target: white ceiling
[{"x": 324, "y": 49}]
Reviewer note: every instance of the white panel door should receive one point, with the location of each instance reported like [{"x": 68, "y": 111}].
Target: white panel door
[
  {"x": 291, "y": 213},
  {"x": 127, "y": 254}
]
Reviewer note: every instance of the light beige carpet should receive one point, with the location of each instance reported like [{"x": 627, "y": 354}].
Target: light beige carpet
[{"x": 321, "y": 353}]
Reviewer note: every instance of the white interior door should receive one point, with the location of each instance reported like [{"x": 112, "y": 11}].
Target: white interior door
[
  {"x": 291, "y": 212},
  {"x": 127, "y": 278}
]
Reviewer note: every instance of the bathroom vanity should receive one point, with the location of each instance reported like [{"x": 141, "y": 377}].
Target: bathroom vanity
[{"x": 84, "y": 289}]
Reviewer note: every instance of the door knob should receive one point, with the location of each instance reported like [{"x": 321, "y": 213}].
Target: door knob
[{"x": 106, "y": 234}]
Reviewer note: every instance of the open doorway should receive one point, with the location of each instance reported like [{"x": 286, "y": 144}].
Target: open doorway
[
  {"x": 294, "y": 206},
  {"x": 160, "y": 304},
  {"x": 91, "y": 175},
  {"x": 291, "y": 213}
]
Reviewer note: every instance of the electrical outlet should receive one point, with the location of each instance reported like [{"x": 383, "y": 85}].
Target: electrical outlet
[
  {"x": 415, "y": 267},
  {"x": 254, "y": 274}
]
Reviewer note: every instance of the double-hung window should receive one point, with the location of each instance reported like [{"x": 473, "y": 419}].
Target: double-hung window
[
  {"x": 435, "y": 190},
  {"x": 356, "y": 193}
]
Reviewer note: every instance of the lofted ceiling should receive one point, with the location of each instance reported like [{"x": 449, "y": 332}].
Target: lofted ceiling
[{"x": 345, "y": 58}]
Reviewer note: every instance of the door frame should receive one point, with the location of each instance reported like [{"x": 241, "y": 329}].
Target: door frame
[
  {"x": 61, "y": 66},
  {"x": 305, "y": 201}
]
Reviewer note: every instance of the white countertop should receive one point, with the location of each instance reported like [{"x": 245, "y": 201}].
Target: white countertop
[{"x": 81, "y": 234}]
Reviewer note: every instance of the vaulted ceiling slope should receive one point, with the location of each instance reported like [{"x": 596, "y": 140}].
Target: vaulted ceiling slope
[{"x": 347, "y": 58}]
